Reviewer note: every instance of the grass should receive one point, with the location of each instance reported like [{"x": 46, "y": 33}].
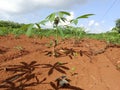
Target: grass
[
  {"x": 76, "y": 33},
  {"x": 109, "y": 37}
]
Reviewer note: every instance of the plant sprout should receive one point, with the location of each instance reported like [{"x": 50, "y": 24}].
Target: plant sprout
[
  {"x": 73, "y": 71},
  {"x": 20, "y": 48},
  {"x": 75, "y": 22},
  {"x": 55, "y": 18}
]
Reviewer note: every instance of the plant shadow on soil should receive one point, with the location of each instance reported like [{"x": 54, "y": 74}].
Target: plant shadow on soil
[
  {"x": 63, "y": 52},
  {"x": 22, "y": 74},
  {"x": 70, "y": 87},
  {"x": 6, "y": 55},
  {"x": 56, "y": 66},
  {"x": 70, "y": 52},
  {"x": 3, "y": 50}
]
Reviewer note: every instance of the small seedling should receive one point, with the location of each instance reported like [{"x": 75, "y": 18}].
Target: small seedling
[
  {"x": 20, "y": 48},
  {"x": 73, "y": 71},
  {"x": 59, "y": 63},
  {"x": 75, "y": 54},
  {"x": 118, "y": 66}
]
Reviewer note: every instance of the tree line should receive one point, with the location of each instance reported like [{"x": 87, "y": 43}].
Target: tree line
[{"x": 10, "y": 24}]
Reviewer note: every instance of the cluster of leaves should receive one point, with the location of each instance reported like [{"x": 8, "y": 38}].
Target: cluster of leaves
[
  {"x": 10, "y": 24},
  {"x": 110, "y": 37},
  {"x": 117, "y": 27},
  {"x": 4, "y": 31},
  {"x": 8, "y": 27},
  {"x": 58, "y": 17}
]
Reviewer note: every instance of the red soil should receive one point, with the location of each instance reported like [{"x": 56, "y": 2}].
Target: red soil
[{"x": 27, "y": 64}]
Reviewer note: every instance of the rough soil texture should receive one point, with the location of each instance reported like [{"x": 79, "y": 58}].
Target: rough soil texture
[{"x": 28, "y": 64}]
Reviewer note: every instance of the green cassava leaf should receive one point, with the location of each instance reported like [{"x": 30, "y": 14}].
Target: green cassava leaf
[
  {"x": 60, "y": 14},
  {"x": 63, "y": 19},
  {"x": 51, "y": 17},
  {"x": 84, "y": 16},
  {"x": 43, "y": 22},
  {"x": 61, "y": 32},
  {"x": 64, "y": 13},
  {"x": 38, "y": 25},
  {"x": 75, "y": 21},
  {"x": 29, "y": 30}
]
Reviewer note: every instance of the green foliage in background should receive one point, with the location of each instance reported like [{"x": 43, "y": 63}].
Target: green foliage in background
[
  {"x": 65, "y": 31},
  {"x": 109, "y": 37},
  {"x": 117, "y": 26},
  {"x": 10, "y": 24}
]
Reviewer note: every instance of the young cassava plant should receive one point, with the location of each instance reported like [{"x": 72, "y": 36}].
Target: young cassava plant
[
  {"x": 75, "y": 22},
  {"x": 56, "y": 18}
]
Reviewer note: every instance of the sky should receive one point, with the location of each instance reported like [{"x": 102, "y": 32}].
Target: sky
[{"x": 32, "y": 11}]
